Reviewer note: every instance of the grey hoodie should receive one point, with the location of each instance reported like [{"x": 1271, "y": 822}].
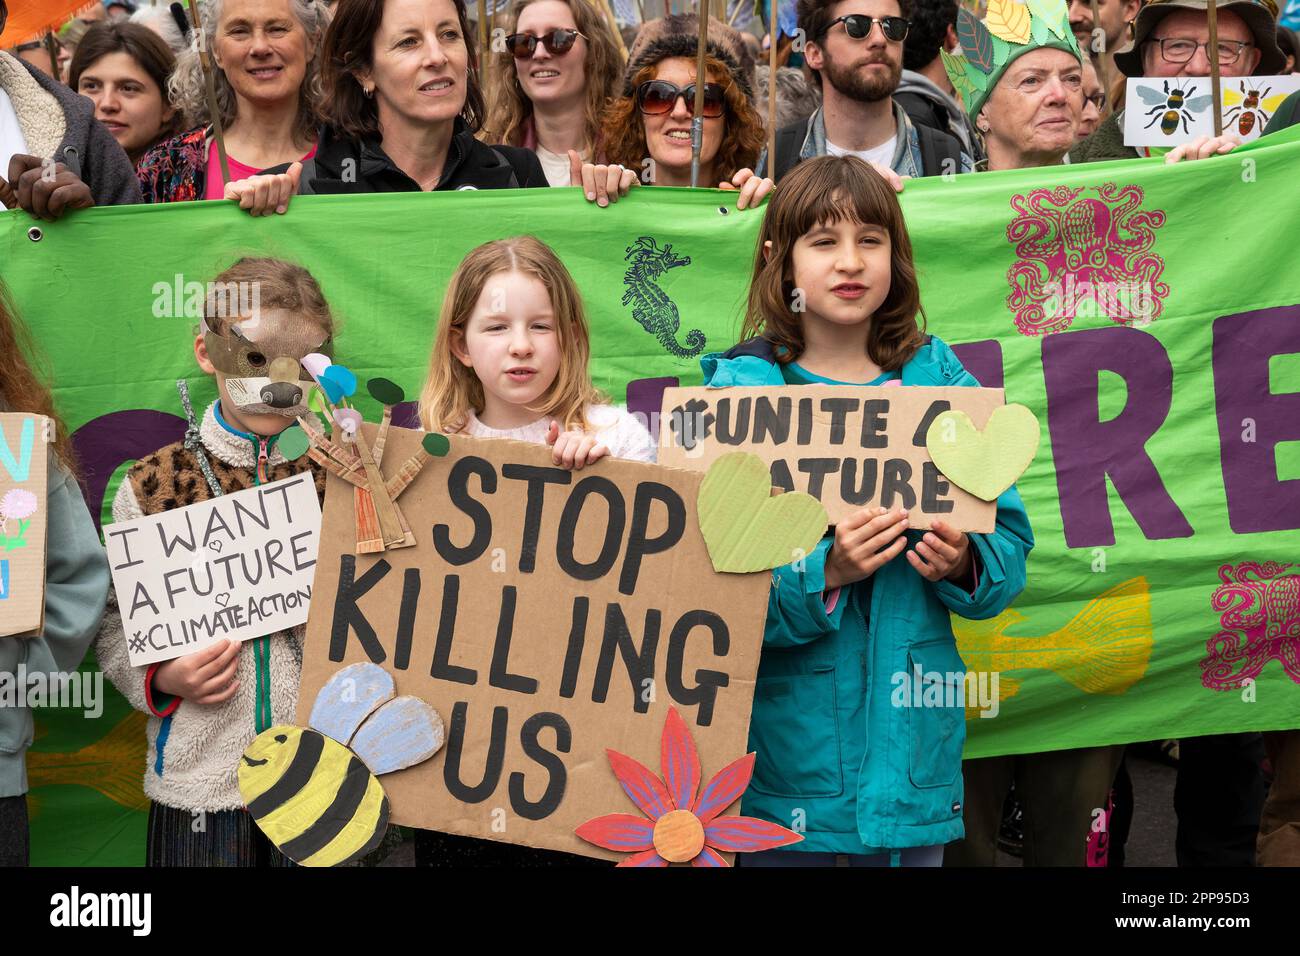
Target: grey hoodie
[
  {"x": 958, "y": 123},
  {"x": 60, "y": 124}
]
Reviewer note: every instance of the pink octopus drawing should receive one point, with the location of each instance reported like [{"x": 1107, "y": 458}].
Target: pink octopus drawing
[
  {"x": 1084, "y": 255},
  {"x": 1261, "y": 621}
]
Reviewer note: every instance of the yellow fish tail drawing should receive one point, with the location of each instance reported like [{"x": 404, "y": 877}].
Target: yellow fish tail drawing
[
  {"x": 112, "y": 765},
  {"x": 1104, "y": 649}
]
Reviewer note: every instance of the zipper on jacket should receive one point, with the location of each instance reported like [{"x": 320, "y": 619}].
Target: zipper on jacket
[{"x": 263, "y": 459}]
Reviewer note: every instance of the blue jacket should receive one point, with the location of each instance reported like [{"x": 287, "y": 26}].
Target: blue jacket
[{"x": 836, "y": 757}]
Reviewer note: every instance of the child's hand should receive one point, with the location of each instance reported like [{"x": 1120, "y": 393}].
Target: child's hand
[
  {"x": 946, "y": 553},
  {"x": 263, "y": 195},
  {"x": 753, "y": 188},
  {"x": 859, "y": 539},
  {"x": 574, "y": 449},
  {"x": 204, "y": 677}
]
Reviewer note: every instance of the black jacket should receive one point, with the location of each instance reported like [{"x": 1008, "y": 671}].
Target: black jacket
[{"x": 342, "y": 165}]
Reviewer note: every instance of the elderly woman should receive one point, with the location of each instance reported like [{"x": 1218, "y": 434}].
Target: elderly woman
[
  {"x": 559, "y": 66},
  {"x": 265, "y": 54},
  {"x": 648, "y": 128}
]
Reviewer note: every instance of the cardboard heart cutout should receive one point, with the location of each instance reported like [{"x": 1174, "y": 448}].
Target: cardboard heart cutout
[
  {"x": 745, "y": 528},
  {"x": 985, "y": 463}
]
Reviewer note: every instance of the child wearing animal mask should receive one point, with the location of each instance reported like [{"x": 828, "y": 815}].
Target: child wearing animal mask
[{"x": 261, "y": 317}]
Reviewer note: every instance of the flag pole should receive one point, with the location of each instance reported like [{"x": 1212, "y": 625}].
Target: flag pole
[
  {"x": 205, "y": 63},
  {"x": 771, "y": 90},
  {"x": 1212, "y": 54},
  {"x": 701, "y": 78}
]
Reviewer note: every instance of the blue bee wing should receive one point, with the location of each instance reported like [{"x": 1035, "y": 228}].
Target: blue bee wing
[
  {"x": 1198, "y": 103},
  {"x": 399, "y": 734},
  {"x": 1151, "y": 97},
  {"x": 348, "y": 698}
]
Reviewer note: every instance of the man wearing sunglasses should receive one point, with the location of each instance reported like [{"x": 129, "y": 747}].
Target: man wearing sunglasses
[
  {"x": 854, "y": 51},
  {"x": 1171, "y": 40}
]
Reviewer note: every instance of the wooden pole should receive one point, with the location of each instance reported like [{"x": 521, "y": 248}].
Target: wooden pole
[
  {"x": 1212, "y": 53},
  {"x": 612, "y": 19},
  {"x": 205, "y": 63},
  {"x": 1103, "y": 71},
  {"x": 771, "y": 91},
  {"x": 701, "y": 78},
  {"x": 482, "y": 40}
]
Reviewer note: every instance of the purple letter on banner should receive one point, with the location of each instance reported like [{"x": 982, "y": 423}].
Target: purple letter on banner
[
  {"x": 1087, "y": 450},
  {"x": 1243, "y": 345}
]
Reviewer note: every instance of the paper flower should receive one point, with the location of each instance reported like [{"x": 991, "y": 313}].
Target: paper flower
[
  {"x": 681, "y": 822},
  {"x": 17, "y": 503}
]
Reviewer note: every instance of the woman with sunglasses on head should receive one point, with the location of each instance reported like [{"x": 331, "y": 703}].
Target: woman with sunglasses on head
[
  {"x": 648, "y": 128},
  {"x": 559, "y": 67},
  {"x": 402, "y": 104}
]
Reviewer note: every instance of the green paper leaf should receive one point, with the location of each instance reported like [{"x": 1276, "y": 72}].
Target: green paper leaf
[
  {"x": 1054, "y": 15},
  {"x": 744, "y": 527},
  {"x": 293, "y": 442},
  {"x": 436, "y": 444},
  {"x": 985, "y": 463},
  {"x": 1042, "y": 35},
  {"x": 976, "y": 41},
  {"x": 1001, "y": 51},
  {"x": 979, "y": 81},
  {"x": 956, "y": 67},
  {"x": 316, "y": 402},
  {"x": 385, "y": 391}
]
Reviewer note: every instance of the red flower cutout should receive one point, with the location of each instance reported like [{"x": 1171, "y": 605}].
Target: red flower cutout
[{"x": 681, "y": 825}]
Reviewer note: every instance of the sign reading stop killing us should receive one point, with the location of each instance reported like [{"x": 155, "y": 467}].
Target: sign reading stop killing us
[
  {"x": 237, "y": 566},
  {"x": 851, "y": 447},
  {"x": 547, "y": 615}
]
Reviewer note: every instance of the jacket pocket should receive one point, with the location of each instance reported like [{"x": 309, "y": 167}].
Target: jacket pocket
[
  {"x": 938, "y": 730},
  {"x": 795, "y": 732}
]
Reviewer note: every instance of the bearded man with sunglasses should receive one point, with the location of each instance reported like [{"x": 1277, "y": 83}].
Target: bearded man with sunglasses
[{"x": 854, "y": 51}]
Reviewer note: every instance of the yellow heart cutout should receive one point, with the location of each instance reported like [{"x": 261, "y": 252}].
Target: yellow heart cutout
[
  {"x": 747, "y": 529},
  {"x": 985, "y": 463}
]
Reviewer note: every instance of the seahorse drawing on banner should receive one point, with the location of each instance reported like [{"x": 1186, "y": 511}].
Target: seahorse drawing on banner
[{"x": 651, "y": 306}]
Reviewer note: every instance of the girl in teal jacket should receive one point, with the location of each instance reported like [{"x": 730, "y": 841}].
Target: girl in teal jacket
[{"x": 844, "y": 755}]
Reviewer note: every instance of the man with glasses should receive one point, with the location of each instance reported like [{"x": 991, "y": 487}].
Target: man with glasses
[
  {"x": 854, "y": 52},
  {"x": 1171, "y": 39}
]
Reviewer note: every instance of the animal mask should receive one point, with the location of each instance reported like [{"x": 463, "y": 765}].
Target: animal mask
[{"x": 262, "y": 361}]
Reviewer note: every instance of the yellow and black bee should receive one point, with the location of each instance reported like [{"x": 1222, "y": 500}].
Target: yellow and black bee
[
  {"x": 315, "y": 792},
  {"x": 1171, "y": 106}
]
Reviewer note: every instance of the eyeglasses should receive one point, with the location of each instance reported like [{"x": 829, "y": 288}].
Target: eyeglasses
[
  {"x": 557, "y": 43},
  {"x": 1097, "y": 99},
  {"x": 656, "y": 97},
  {"x": 1180, "y": 50},
  {"x": 858, "y": 26}
]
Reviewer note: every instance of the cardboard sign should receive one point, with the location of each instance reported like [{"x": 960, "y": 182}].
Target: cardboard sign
[
  {"x": 849, "y": 447},
  {"x": 546, "y": 615},
  {"x": 1173, "y": 111},
  {"x": 235, "y": 567},
  {"x": 24, "y": 441}
]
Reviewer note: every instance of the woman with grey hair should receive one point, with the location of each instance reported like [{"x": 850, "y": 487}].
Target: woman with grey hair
[{"x": 265, "y": 56}]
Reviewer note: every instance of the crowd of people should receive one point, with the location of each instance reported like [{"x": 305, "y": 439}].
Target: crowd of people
[{"x": 360, "y": 96}]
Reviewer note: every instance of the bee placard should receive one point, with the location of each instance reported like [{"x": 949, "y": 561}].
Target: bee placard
[
  {"x": 24, "y": 443},
  {"x": 237, "y": 566},
  {"x": 546, "y": 615},
  {"x": 1170, "y": 111}
]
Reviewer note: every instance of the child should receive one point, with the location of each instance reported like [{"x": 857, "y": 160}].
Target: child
[
  {"x": 510, "y": 361},
  {"x": 76, "y": 583},
  {"x": 261, "y": 317},
  {"x": 833, "y": 301}
]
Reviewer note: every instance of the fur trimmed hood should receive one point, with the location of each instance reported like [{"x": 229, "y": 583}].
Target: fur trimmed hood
[{"x": 678, "y": 35}]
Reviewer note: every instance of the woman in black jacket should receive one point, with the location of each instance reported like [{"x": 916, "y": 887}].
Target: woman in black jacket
[{"x": 402, "y": 103}]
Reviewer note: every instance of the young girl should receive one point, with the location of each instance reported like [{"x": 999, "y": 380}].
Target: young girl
[
  {"x": 510, "y": 361},
  {"x": 869, "y": 607},
  {"x": 76, "y": 582},
  {"x": 206, "y": 707}
]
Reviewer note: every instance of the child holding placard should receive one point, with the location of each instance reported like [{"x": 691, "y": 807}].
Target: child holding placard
[
  {"x": 261, "y": 318},
  {"x": 76, "y": 582},
  {"x": 834, "y": 301},
  {"x": 510, "y": 361}
]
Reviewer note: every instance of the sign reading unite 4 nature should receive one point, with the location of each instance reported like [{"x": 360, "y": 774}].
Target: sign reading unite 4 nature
[{"x": 546, "y": 615}]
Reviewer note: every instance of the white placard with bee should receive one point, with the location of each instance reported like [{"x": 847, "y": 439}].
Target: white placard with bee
[{"x": 1170, "y": 111}]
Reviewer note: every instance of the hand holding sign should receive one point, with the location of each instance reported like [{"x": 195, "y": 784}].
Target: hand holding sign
[
  {"x": 573, "y": 449},
  {"x": 865, "y": 542},
  {"x": 205, "y": 677}
]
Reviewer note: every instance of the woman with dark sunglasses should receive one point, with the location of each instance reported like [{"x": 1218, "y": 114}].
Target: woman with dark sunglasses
[
  {"x": 402, "y": 104},
  {"x": 648, "y": 128},
  {"x": 549, "y": 85}
]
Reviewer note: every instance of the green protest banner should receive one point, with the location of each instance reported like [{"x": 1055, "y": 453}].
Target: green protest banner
[{"x": 1140, "y": 310}]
